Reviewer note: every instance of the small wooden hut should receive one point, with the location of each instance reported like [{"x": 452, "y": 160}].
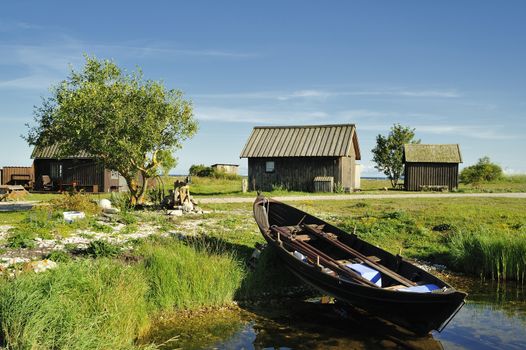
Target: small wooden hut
[
  {"x": 17, "y": 175},
  {"x": 431, "y": 167},
  {"x": 80, "y": 171},
  {"x": 295, "y": 157},
  {"x": 226, "y": 168}
]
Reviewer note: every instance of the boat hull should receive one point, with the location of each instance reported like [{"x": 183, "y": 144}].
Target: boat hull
[{"x": 418, "y": 312}]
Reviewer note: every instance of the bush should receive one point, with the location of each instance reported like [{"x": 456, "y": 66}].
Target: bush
[
  {"x": 201, "y": 170},
  {"x": 74, "y": 201},
  {"x": 20, "y": 238},
  {"x": 97, "y": 249},
  {"x": 483, "y": 171}
]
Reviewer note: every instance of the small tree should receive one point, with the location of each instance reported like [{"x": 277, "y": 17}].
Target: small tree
[
  {"x": 388, "y": 153},
  {"x": 129, "y": 124},
  {"x": 483, "y": 171}
]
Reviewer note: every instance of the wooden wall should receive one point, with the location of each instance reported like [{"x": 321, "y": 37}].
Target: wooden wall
[
  {"x": 430, "y": 174},
  {"x": 84, "y": 172},
  {"x": 16, "y": 175},
  {"x": 293, "y": 173}
]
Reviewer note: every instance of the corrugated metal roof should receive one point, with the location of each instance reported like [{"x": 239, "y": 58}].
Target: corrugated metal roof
[
  {"x": 418, "y": 153},
  {"x": 52, "y": 152},
  {"x": 302, "y": 141}
]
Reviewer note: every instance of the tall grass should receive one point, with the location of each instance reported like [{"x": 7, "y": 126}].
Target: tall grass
[
  {"x": 490, "y": 253},
  {"x": 106, "y": 303},
  {"x": 183, "y": 277},
  {"x": 84, "y": 305}
]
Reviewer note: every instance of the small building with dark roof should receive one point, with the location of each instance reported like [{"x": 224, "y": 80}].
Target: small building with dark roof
[
  {"x": 292, "y": 157},
  {"x": 431, "y": 166},
  {"x": 81, "y": 171},
  {"x": 231, "y": 169}
]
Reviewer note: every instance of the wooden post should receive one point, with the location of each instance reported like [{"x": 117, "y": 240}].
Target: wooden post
[{"x": 244, "y": 185}]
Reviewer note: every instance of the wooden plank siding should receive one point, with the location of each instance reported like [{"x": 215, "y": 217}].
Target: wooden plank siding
[
  {"x": 16, "y": 175},
  {"x": 418, "y": 175},
  {"x": 63, "y": 173},
  {"x": 293, "y": 173}
]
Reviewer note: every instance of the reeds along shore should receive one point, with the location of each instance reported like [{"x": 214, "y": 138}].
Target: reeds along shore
[{"x": 108, "y": 303}]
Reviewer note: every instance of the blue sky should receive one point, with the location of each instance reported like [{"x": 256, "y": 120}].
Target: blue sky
[{"x": 455, "y": 71}]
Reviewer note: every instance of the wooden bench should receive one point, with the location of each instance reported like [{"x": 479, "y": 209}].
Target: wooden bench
[{"x": 436, "y": 188}]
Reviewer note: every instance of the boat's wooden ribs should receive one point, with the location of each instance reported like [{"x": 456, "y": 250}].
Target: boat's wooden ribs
[
  {"x": 332, "y": 238},
  {"x": 283, "y": 235}
]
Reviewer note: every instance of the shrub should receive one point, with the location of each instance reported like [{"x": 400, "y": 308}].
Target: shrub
[
  {"x": 201, "y": 170},
  {"x": 74, "y": 201},
  {"x": 59, "y": 256},
  {"x": 20, "y": 238},
  {"x": 98, "y": 249},
  {"x": 483, "y": 171}
]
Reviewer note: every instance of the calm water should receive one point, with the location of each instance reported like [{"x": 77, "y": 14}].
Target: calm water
[{"x": 493, "y": 318}]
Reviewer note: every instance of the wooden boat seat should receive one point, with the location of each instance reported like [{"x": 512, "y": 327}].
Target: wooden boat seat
[
  {"x": 395, "y": 287},
  {"x": 303, "y": 238}
]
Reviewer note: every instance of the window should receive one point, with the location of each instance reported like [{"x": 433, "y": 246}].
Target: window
[{"x": 269, "y": 166}]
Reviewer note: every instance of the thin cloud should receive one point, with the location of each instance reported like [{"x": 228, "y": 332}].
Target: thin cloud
[
  {"x": 486, "y": 132},
  {"x": 324, "y": 94},
  {"x": 233, "y": 115}
]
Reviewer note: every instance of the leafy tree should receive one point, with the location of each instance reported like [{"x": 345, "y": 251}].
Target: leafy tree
[
  {"x": 483, "y": 171},
  {"x": 201, "y": 170},
  {"x": 128, "y": 123},
  {"x": 388, "y": 153}
]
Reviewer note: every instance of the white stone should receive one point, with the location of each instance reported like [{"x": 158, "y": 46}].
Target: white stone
[
  {"x": 104, "y": 203},
  {"x": 176, "y": 212},
  {"x": 70, "y": 216}
]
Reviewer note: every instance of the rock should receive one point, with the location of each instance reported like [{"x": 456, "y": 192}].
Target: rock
[
  {"x": 176, "y": 212},
  {"x": 43, "y": 265},
  {"x": 110, "y": 210},
  {"x": 70, "y": 216},
  {"x": 188, "y": 207},
  {"x": 104, "y": 204}
]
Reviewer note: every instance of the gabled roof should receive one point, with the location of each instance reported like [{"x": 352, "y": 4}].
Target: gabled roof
[
  {"x": 52, "y": 152},
  {"x": 302, "y": 141},
  {"x": 418, "y": 153}
]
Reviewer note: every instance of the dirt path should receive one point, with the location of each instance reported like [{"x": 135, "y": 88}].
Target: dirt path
[{"x": 362, "y": 196}]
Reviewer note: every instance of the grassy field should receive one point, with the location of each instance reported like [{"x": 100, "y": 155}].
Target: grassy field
[
  {"x": 203, "y": 187},
  {"x": 108, "y": 298}
]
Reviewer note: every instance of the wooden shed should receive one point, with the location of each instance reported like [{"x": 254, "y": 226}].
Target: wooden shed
[
  {"x": 291, "y": 157},
  {"x": 81, "y": 171},
  {"x": 17, "y": 175},
  {"x": 226, "y": 168},
  {"x": 432, "y": 167}
]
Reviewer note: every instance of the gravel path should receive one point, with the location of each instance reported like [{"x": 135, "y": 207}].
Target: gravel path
[{"x": 362, "y": 196}]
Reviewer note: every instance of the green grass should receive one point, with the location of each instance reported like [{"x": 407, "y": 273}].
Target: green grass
[
  {"x": 509, "y": 183},
  {"x": 106, "y": 303},
  {"x": 496, "y": 254},
  {"x": 189, "y": 277},
  {"x": 83, "y": 305},
  {"x": 420, "y": 228}
]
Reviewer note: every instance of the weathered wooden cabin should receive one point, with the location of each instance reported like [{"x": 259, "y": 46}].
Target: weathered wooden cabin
[
  {"x": 17, "y": 175},
  {"x": 226, "y": 168},
  {"x": 431, "y": 167},
  {"x": 292, "y": 157},
  {"x": 80, "y": 171}
]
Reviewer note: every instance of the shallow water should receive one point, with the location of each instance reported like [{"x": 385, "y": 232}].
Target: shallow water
[{"x": 493, "y": 318}]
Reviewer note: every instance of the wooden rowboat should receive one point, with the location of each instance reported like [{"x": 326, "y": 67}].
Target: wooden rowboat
[{"x": 355, "y": 272}]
